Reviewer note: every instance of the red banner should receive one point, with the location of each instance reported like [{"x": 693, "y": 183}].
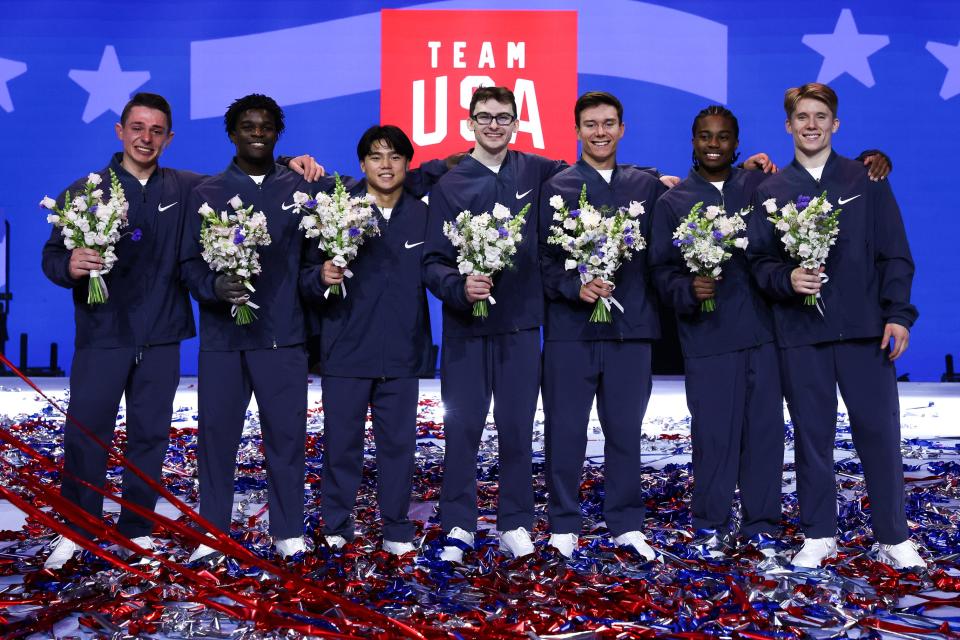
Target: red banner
[{"x": 432, "y": 61}]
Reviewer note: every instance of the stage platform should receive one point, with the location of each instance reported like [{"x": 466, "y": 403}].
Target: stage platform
[{"x": 602, "y": 592}]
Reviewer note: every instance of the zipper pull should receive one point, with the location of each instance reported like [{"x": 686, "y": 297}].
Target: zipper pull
[{"x": 274, "y": 343}]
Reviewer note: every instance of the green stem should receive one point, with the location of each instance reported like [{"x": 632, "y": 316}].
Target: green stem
[
  {"x": 481, "y": 309},
  {"x": 600, "y": 312}
]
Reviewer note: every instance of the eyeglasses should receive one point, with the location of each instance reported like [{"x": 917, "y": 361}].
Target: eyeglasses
[{"x": 485, "y": 118}]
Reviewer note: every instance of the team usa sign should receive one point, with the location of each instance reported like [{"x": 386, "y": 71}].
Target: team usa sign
[{"x": 432, "y": 61}]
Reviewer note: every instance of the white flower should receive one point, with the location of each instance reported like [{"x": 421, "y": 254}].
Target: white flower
[
  {"x": 570, "y": 264},
  {"x": 94, "y": 178},
  {"x": 712, "y": 212},
  {"x": 770, "y": 205},
  {"x": 635, "y": 209},
  {"x": 741, "y": 243},
  {"x": 48, "y": 203},
  {"x": 465, "y": 267},
  {"x": 556, "y": 201},
  {"x": 235, "y": 202},
  {"x": 206, "y": 210},
  {"x": 500, "y": 212}
]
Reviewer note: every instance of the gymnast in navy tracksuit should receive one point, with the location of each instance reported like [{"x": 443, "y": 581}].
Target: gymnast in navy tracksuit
[
  {"x": 267, "y": 357},
  {"x": 497, "y": 356},
  {"x": 583, "y": 360},
  {"x": 131, "y": 343},
  {"x": 850, "y": 339},
  {"x": 375, "y": 343},
  {"x": 732, "y": 372}
]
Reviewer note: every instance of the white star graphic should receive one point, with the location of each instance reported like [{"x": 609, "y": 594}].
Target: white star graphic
[
  {"x": 846, "y": 50},
  {"x": 109, "y": 86},
  {"x": 949, "y": 55},
  {"x": 9, "y": 69}
]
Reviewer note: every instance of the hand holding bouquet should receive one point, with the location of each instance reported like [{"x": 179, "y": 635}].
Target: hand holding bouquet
[
  {"x": 809, "y": 228},
  {"x": 598, "y": 241},
  {"x": 341, "y": 222},
  {"x": 87, "y": 222},
  {"x": 485, "y": 244},
  {"x": 229, "y": 244},
  {"x": 706, "y": 239}
]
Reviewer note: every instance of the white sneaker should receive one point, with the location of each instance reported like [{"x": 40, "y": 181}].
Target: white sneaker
[
  {"x": 202, "y": 552},
  {"x": 63, "y": 550},
  {"x": 453, "y": 553},
  {"x": 901, "y": 556},
  {"x": 290, "y": 546},
  {"x": 145, "y": 542},
  {"x": 814, "y": 551},
  {"x": 638, "y": 542},
  {"x": 565, "y": 543},
  {"x": 516, "y": 542},
  {"x": 335, "y": 542},
  {"x": 398, "y": 548}
]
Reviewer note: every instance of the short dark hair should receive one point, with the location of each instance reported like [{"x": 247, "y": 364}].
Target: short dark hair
[
  {"x": 151, "y": 101},
  {"x": 500, "y": 94},
  {"x": 392, "y": 135},
  {"x": 814, "y": 91},
  {"x": 717, "y": 110},
  {"x": 253, "y": 101},
  {"x": 594, "y": 99}
]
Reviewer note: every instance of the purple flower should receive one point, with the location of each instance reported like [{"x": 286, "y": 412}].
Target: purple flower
[
  {"x": 582, "y": 268},
  {"x": 691, "y": 225},
  {"x": 93, "y": 208},
  {"x": 136, "y": 235},
  {"x": 687, "y": 240},
  {"x": 575, "y": 213},
  {"x": 373, "y": 222},
  {"x": 628, "y": 240},
  {"x": 803, "y": 202},
  {"x": 311, "y": 203},
  {"x": 503, "y": 232},
  {"x": 353, "y": 232},
  {"x": 238, "y": 237},
  {"x": 677, "y": 243},
  {"x": 717, "y": 235}
]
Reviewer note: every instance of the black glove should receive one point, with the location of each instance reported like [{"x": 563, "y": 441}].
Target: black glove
[{"x": 230, "y": 288}]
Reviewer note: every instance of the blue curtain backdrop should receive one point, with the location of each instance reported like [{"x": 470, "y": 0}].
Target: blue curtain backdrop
[{"x": 895, "y": 65}]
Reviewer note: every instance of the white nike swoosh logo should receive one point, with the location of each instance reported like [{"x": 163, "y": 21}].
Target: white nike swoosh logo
[
  {"x": 521, "y": 196},
  {"x": 162, "y": 208},
  {"x": 407, "y": 245},
  {"x": 287, "y": 207},
  {"x": 842, "y": 202}
]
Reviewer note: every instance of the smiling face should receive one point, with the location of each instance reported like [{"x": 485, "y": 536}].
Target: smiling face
[
  {"x": 812, "y": 125},
  {"x": 493, "y": 138},
  {"x": 255, "y": 137},
  {"x": 714, "y": 143},
  {"x": 385, "y": 169},
  {"x": 144, "y": 135},
  {"x": 600, "y": 130}
]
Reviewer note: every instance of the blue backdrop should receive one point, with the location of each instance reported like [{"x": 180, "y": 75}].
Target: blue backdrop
[{"x": 67, "y": 67}]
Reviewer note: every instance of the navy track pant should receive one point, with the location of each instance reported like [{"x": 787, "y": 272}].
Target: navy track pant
[
  {"x": 504, "y": 367},
  {"x": 736, "y": 405},
  {"x": 618, "y": 375},
  {"x": 98, "y": 379},
  {"x": 868, "y": 385},
  {"x": 278, "y": 379},
  {"x": 393, "y": 406}
]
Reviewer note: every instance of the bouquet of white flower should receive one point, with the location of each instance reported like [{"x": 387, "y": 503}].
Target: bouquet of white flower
[
  {"x": 485, "y": 243},
  {"x": 87, "y": 222},
  {"x": 809, "y": 228},
  {"x": 341, "y": 222},
  {"x": 706, "y": 239},
  {"x": 229, "y": 244},
  {"x": 598, "y": 241}
]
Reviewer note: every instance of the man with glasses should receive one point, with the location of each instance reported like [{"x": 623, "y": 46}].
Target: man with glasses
[{"x": 497, "y": 357}]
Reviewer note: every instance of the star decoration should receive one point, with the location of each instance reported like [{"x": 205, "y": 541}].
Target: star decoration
[
  {"x": 950, "y": 57},
  {"x": 846, "y": 50},
  {"x": 9, "y": 69},
  {"x": 109, "y": 86}
]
